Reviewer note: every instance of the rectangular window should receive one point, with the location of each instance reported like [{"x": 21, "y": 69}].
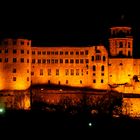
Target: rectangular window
[
  {"x": 22, "y": 51},
  {"x": 48, "y": 53},
  {"x": 14, "y": 42},
  {"x": 92, "y": 58},
  {"x": 56, "y": 61},
  {"x": 14, "y": 79},
  {"x": 98, "y": 57},
  {"x": 6, "y": 59},
  {"x": 33, "y": 61},
  {"x": 27, "y": 51},
  {"x": 22, "y": 43},
  {"x": 71, "y": 61},
  {"x": 33, "y": 52},
  {"x": 61, "y": 60},
  {"x": 49, "y": 71},
  {"x": 39, "y": 61},
  {"x": 14, "y": 70},
  {"x": 44, "y": 52},
  {"x": 22, "y": 60},
  {"x": 71, "y": 53},
  {"x": 14, "y": 51},
  {"x": 81, "y": 53},
  {"x": 102, "y": 81},
  {"x": 44, "y": 61},
  {"x": 81, "y": 61},
  {"x": 72, "y": 71},
  {"x": 32, "y": 73},
  {"x": 57, "y": 71},
  {"x": 77, "y": 71},
  {"x": 66, "y": 72},
  {"x": 27, "y": 70},
  {"x": 14, "y": 59},
  {"x": 66, "y": 81},
  {"x": 6, "y": 50},
  {"x": 0, "y": 51},
  {"x": 48, "y": 61},
  {"x": 56, "y": 53},
  {"x": 82, "y": 72},
  {"x": 27, "y": 60},
  {"x": 61, "y": 53},
  {"x": 0, "y": 59},
  {"x": 66, "y": 53},
  {"x": 87, "y": 61},
  {"x": 66, "y": 61},
  {"x": 86, "y": 52},
  {"x": 80, "y": 81},
  {"x": 52, "y": 61},
  {"x": 77, "y": 53},
  {"x": 102, "y": 74},
  {"x": 41, "y": 71},
  {"x": 39, "y": 52},
  {"x": 94, "y": 74},
  {"x": 94, "y": 81},
  {"x": 52, "y": 53},
  {"x": 27, "y": 78},
  {"x": 77, "y": 61}
]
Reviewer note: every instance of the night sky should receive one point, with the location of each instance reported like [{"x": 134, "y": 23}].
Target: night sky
[{"x": 68, "y": 23}]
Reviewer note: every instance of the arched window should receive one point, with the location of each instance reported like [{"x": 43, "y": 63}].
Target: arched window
[
  {"x": 94, "y": 68},
  {"x": 104, "y": 58},
  {"x": 102, "y": 68}
]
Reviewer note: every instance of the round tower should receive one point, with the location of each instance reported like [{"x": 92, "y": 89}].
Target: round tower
[
  {"x": 121, "y": 42},
  {"x": 15, "y": 66}
]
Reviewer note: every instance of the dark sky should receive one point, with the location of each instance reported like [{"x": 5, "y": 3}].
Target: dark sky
[{"x": 67, "y": 23}]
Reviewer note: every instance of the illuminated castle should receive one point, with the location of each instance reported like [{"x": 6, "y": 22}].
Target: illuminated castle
[{"x": 91, "y": 66}]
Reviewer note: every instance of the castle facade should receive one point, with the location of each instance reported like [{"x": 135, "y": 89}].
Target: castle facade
[{"x": 23, "y": 65}]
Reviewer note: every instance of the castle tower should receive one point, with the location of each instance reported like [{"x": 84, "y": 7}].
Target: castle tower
[
  {"x": 121, "y": 42},
  {"x": 15, "y": 64}
]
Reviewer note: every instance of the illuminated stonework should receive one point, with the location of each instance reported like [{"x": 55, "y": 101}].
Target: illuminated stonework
[{"x": 91, "y": 66}]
